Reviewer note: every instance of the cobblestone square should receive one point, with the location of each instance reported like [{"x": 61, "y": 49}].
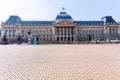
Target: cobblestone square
[{"x": 60, "y": 62}]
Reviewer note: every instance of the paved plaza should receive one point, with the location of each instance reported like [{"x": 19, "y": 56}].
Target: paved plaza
[{"x": 60, "y": 62}]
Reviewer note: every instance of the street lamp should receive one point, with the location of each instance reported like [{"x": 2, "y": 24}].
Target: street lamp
[
  {"x": 19, "y": 39},
  {"x": 29, "y": 37},
  {"x": 4, "y": 39}
]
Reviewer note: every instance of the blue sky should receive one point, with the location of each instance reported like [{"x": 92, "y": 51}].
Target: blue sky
[{"x": 48, "y": 9}]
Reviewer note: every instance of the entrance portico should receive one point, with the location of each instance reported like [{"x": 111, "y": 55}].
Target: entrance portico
[{"x": 65, "y": 31}]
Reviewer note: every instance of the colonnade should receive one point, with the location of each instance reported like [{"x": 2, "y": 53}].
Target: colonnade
[
  {"x": 9, "y": 31},
  {"x": 65, "y": 34}
]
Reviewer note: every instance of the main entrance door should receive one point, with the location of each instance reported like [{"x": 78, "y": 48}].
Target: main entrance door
[{"x": 89, "y": 37}]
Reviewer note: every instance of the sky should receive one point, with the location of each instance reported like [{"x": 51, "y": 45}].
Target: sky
[{"x": 48, "y": 9}]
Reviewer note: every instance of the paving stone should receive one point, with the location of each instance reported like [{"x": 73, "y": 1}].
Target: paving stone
[{"x": 60, "y": 62}]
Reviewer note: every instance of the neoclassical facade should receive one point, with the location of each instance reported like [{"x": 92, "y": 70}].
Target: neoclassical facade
[{"x": 63, "y": 29}]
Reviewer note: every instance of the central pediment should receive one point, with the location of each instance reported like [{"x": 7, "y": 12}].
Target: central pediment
[{"x": 64, "y": 23}]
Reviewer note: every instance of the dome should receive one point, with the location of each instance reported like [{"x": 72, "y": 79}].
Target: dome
[{"x": 63, "y": 16}]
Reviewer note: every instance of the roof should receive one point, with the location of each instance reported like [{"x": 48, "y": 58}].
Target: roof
[
  {"x": 89, "y": 22},
  {"x": 63, "y": 15},
  {"x": 13, "y": 19},
  {"x": 37, "y": 22},
  {"x": 109, "y": 19}
]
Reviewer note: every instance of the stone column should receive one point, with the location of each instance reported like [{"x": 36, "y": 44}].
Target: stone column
[
  {"x": 9, "y": 29},
  {"x": 4, "y": 33},
  {"x": 74, "y": 34},
  {"x": 63, "y": 34},
  {"x": 67, "y": 33},
  {"x": 59, "y": 33},
  {"x": 13, "y": 32},
  {"x": 70, "y": 35}
]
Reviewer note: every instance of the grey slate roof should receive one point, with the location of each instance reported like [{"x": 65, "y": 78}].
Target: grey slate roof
[
  {"x": 14, "y": 19},
  {"x": 37, "y": 22},
  {"x": 109, "y": 19},
  {"x": 89, "y": 22}
]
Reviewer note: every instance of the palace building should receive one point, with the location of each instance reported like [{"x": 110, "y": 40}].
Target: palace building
[{"x": 63, "y": 29}]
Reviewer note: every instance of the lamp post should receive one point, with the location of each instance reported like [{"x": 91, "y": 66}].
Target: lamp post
[
  {"x": 4, "y": 39},
  {"x": 29, "y": 37},
  {"x": 19, "y": 39}
]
